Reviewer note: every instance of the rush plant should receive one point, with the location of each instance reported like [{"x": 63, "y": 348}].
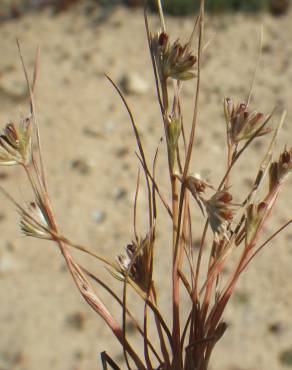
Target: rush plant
[{"x": 188, "y": 341}]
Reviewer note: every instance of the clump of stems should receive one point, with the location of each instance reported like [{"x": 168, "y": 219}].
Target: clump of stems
[{"x": 185, "y": 344}]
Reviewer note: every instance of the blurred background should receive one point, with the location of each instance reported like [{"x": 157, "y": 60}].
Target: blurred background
[{"x": 89, "y": 152}]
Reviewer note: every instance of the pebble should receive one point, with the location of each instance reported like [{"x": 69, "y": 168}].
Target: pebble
[
  {"x": 134, "y": 84},
  {"x": 241, "y": 298},
  {"x": 122, "y": 152},
  {"x": 109, "y": 127},
  {"x": 76, "y": 320},
  {"x": 3, "y": 175},
  {"x": 98, "y": 216},
  {"x": 81, "y": 165},
  {"x": 276, "y": 328},
  {"x": 91, "y": 132},
  {"x": 120, "y": 193}
]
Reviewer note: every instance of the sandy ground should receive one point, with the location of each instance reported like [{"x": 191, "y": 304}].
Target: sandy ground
[{"x": 89, "y": 154}]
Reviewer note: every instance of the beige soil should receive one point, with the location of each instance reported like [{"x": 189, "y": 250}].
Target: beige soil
[{"x": 89, "y": 154}]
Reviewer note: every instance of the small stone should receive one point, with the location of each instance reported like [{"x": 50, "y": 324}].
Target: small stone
[
  {"x": 78, "y": 355},
  {"x": 109, "y": 127},
  {"x": 76, "y": 320},
  {"x": 241, "y": 298},
  {"x": 276, "y": 328},
  {"x": 134, "y": 84},
  {"x": 3, "y": 175},
  {"x": 98, "y": 216},
  {"x": 258, "y": 145},
  {"x": 267, "y": 48},
  {"x": 122, "y": 152},
  {"x": 91, "y": 132},
  {"x": 81, "y": 165},
  {"x": 10, "y": 246},
  {"x": 248, "y": 182},
  {"x": 120, "y": 193}
]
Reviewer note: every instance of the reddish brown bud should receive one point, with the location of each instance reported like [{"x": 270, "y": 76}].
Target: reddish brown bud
[
  {"x": 226, "y": 214},
  {"x": 262, "y": 206},
  {"x": 285, "y": 157},
  {"x": 163, "y": 39},
  {"x": 225, "y": 197}
]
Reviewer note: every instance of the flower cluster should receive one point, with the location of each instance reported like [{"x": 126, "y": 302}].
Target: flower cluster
[
  {"x": 220, "y": 211},
  {"x": 136, "y": 261},
  {"x": 196, "y": 184},
  {"x": 33, "y": 219},
  {"x": 279, "y": 170},
  {"x": 242, "y": 124},
  {"x": 173, "y": 60},
  {"x": 255, "y": 214},
  {"x": 15, "y": 143}
]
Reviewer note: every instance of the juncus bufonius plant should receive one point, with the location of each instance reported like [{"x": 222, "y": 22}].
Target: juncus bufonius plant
[{"x": 188, "y": 341}]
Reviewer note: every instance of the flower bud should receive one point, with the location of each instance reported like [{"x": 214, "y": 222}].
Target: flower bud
[
  {"x": 220, "y": 211},
  {"x": 280, "y": 169},
  {"x": 15, "y": 143},
  {"x": 242, "y": 124},
  {"x": 33, "y": 219},
  {"x": 254, "y": 216},
  {"x": 137, "y": 259},
  {"x": 173, "y": 60}
]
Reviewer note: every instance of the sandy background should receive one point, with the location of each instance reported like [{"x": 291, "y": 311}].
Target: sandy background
[{"x": 89, "y": 154}]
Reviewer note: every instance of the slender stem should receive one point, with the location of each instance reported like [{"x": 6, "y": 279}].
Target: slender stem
[
  {"x": 199, "y": 260},
  {"x": 160, "y": 333},
  {"x": 195, "y": 114},
  {"x": 160, "y": 11},
  {"x": 175, "y": 271},
  {"x": 113, "y": 294},
  {"x": 230, "y": 152}
]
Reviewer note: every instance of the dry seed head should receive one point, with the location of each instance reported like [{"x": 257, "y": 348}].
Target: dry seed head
[
  {"x": 280, "y": 169},
  {"x": 242, "y": 124},
  {"x": 15, "y": 143},
  {"x": 255, "y": 214},
  {"x": 220, "y": 212},
  {"x": 137, "y": 258},
  {"x": 196, "y": 184},
  {"x": 32, "y": 220},
  {"x": 173, "y": 60}
]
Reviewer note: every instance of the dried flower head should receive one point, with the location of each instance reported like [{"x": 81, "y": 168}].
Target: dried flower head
[
  {"x": 242, "y": 124},
  {"x": 15, "y": 143},
  {"x": 137, "y": 258},
  {"x": 280, "y": 169},
  {"x": 196, "y": 184},
  {"x": 33, "y": 219},
  {"x": 173, "y": 60},
  {"x": 220, "y": 211},
  {"x": 254, "y": 216}
]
